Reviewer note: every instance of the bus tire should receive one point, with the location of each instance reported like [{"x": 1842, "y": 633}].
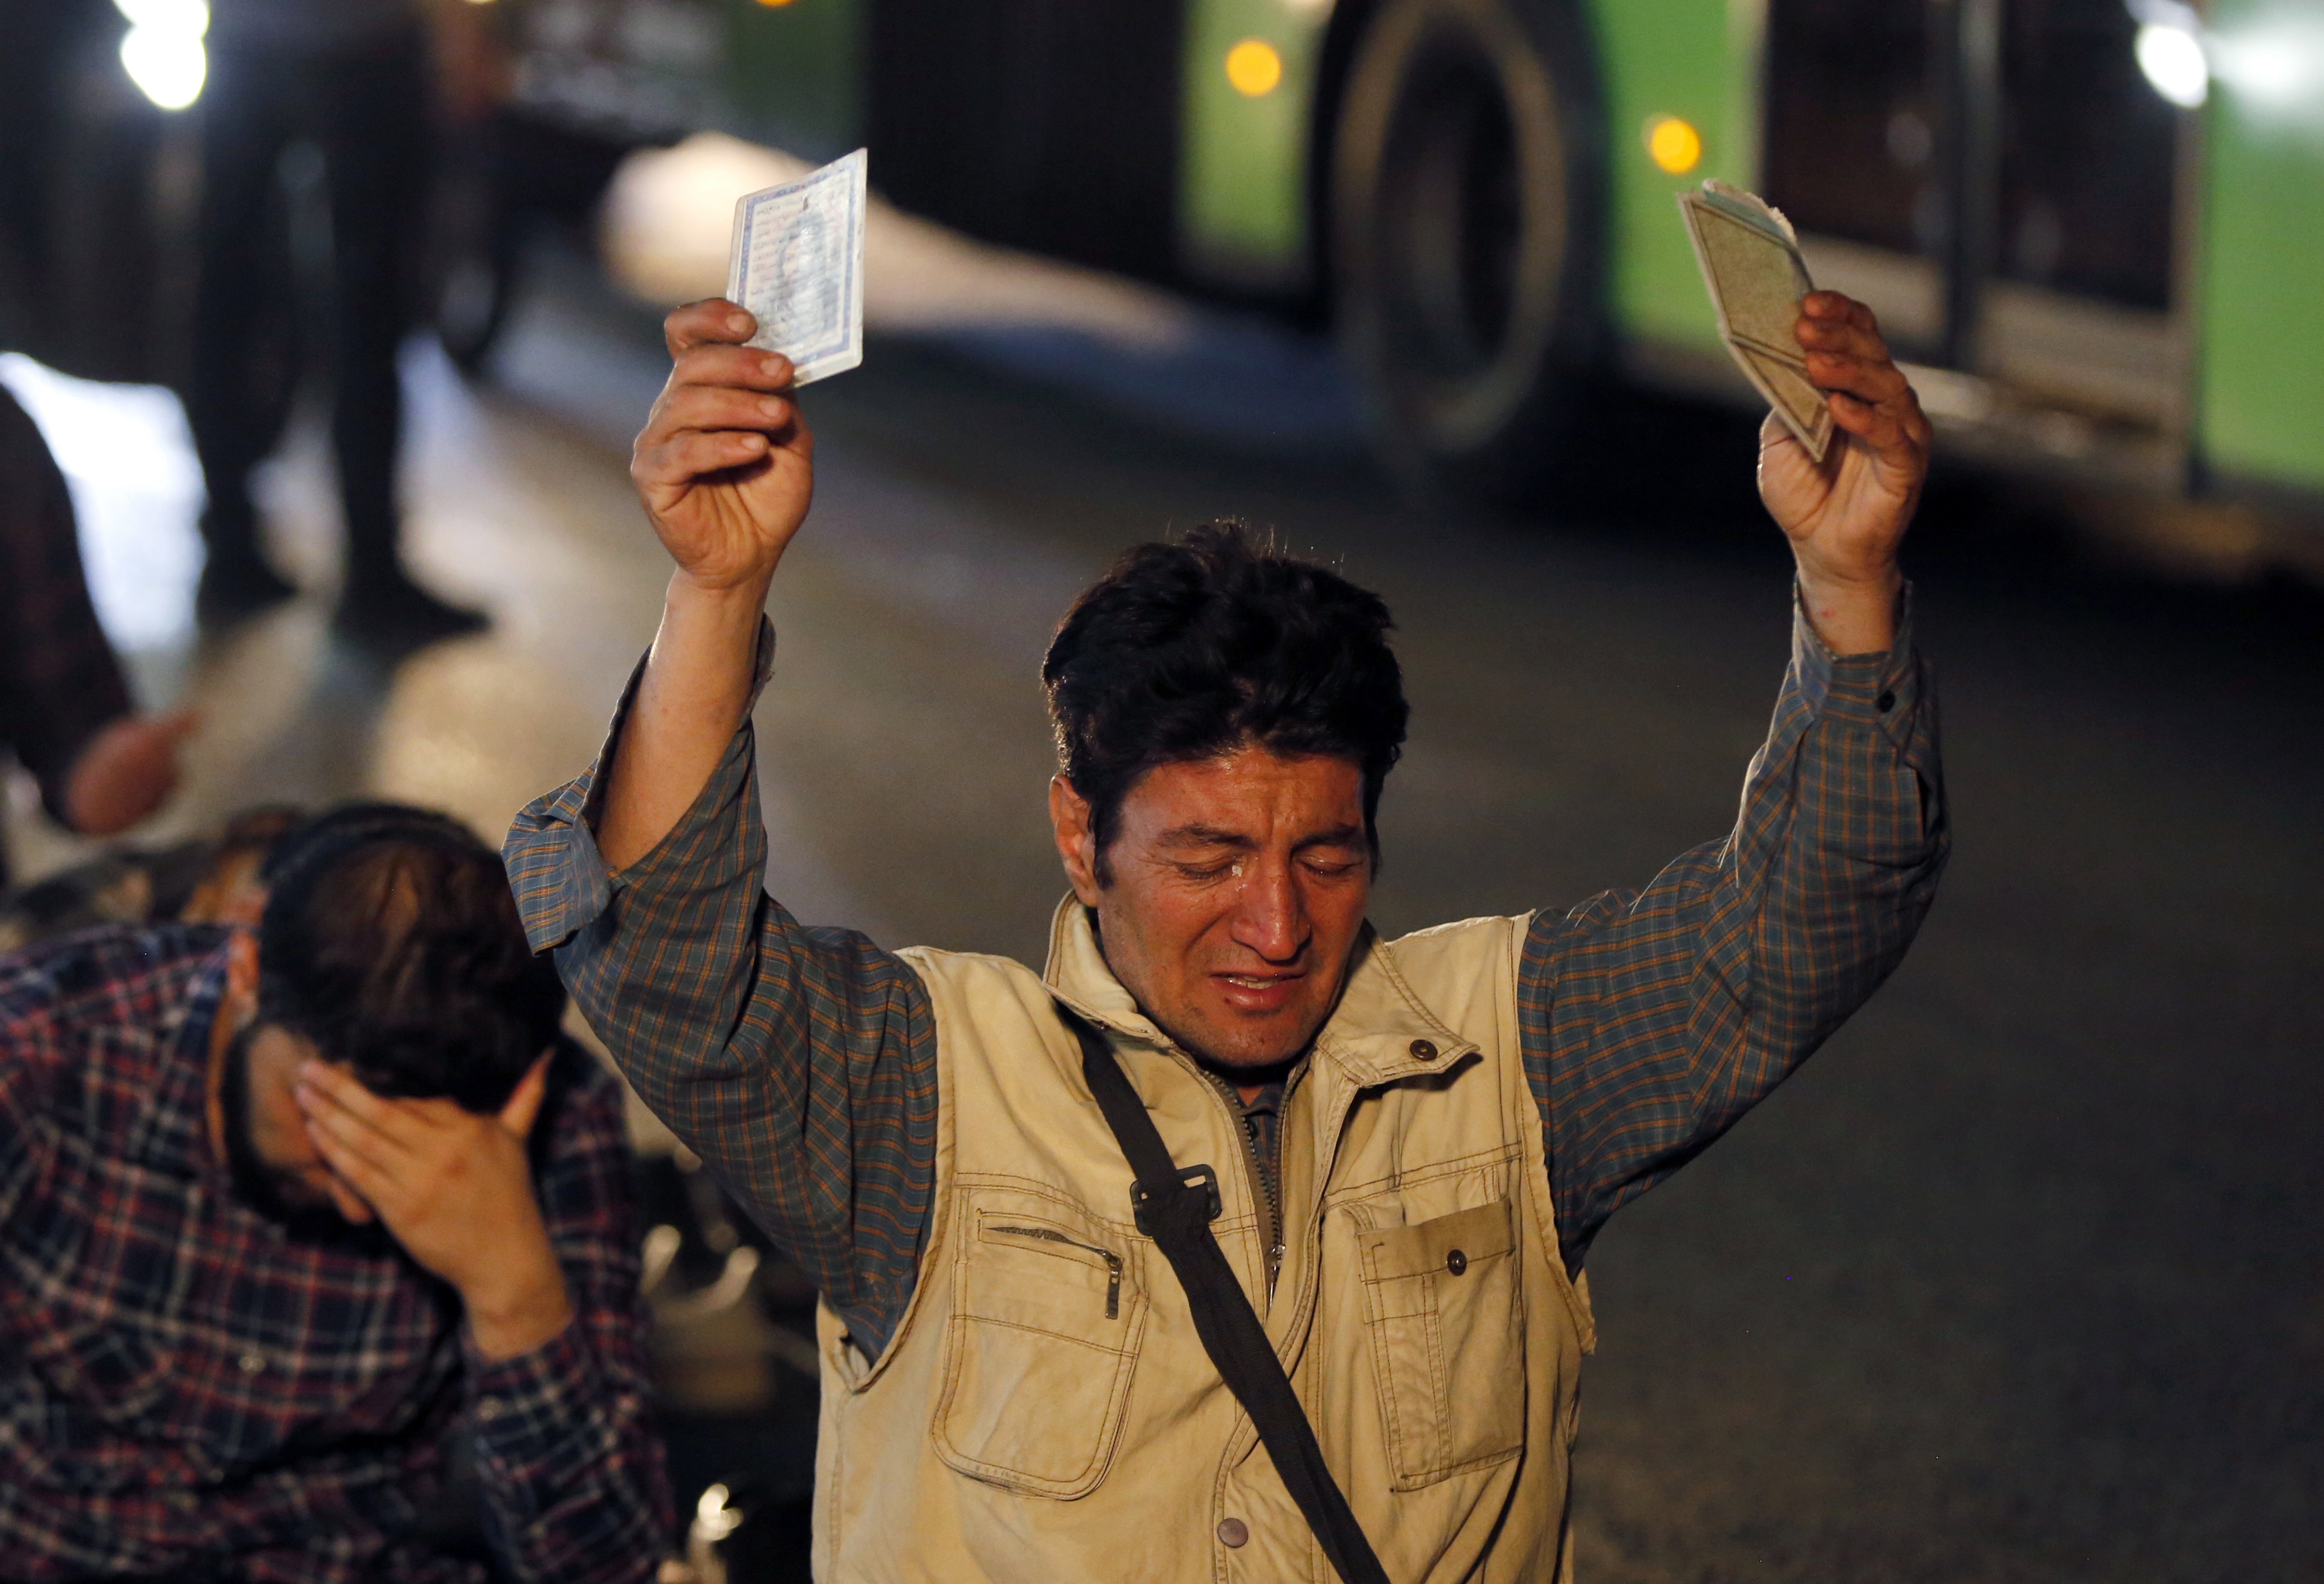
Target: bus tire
[{"x": 1464, "y": 210}]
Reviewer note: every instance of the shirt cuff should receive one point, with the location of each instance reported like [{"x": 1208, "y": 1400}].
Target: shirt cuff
[
  {"x": 543, "y": 1414},
  {"x": 1881, "y": 690},
  {"x": 555, "y": 868}
]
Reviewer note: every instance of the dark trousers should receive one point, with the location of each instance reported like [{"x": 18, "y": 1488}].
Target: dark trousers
[
  {"x": 35, "y": 60},
  {"x": 368, "y": 114}
]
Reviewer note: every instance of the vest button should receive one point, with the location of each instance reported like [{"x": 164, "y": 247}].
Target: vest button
[
  {"x": 1423, "y": 1051},
  {"x": 1233, "y": 1531},
  {"x": 1456, "y": 1262}
]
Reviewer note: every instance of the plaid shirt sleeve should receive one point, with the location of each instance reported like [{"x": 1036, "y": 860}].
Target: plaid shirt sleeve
[
  {"x": 1650, "y": 1021},
  {"x": 29, "y": 1069},
  {"x": 575, "y": 1488},
  {"x": 58, "y": 681},
  {"x": 798, "y": 1063}
]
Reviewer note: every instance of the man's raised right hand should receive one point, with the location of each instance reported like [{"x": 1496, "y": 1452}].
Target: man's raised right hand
[
  {"x": 725, "y": 467},
  {"x": 725, "y": 463}
]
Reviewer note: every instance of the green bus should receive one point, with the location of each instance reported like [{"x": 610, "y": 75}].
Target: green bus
[{"x": 2096, "y": 227}]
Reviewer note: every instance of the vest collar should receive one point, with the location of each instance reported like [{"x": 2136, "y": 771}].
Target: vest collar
[
  {"x": 1077, "y": 975},
  {"x": 1374, "y": 1035}
]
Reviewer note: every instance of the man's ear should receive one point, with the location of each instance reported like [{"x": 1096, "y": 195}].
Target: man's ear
[
  {"x": 1069, "y": 820},
  {"x": 241, "y": 978}
]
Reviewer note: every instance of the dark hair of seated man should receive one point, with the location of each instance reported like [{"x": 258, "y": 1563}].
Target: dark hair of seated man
[{"x": 391, "y": 943}]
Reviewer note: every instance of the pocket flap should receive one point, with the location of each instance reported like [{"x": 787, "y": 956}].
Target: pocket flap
[{"x": 1412, "y": 1251}]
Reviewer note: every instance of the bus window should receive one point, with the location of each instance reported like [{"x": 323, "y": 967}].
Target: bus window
[
  {"x": 1851, "y": 138},
  {"x": 1855, "y": 153},
  {"x": 2088, "y": 154}
]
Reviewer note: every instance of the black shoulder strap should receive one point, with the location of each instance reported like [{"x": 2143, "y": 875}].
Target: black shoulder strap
[{"x": 1175, "y": 1209}]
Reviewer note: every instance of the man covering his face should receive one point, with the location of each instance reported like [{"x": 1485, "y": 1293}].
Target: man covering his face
[{"x": 280, "y": 1215}]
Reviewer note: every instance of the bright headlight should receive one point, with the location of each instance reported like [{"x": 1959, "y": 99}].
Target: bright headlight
[
  {"x": 164, "y": 52},
  {"x": 2174, "y": 63}
]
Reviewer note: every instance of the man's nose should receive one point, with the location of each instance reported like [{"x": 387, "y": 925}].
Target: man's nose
[{"x": 1270, "y": 915}]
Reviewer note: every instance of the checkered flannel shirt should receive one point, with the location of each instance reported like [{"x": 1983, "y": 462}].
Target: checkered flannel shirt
[
  {"x": 58, "y": 681},
  {"x": 800, "y": 1063},
  {"x": 188, "y": 1394}
]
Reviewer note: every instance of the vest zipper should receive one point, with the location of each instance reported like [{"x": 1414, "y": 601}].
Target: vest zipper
[
  {"x": 1274, "y": 1208},
  {"x": 1262, "y": 1180},
  {"x": 1113, "y": 1260},
  {"x": 1275, "y": 1176}
]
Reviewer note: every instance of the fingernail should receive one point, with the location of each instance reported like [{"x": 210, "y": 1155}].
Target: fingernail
[
  {"x": 774, "y": 407},
  {"x": 738, "y": 321},
  {"x": 754, "y": 442}
]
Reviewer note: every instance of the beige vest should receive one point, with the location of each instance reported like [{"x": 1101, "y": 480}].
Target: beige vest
[{"x": 1045, "y": 1411}]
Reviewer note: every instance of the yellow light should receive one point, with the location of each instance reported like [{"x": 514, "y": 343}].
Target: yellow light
[
  {"x": 771, "y": 4},
  {"x": 1254, "y": 68},
  {"x": 1673, "y": 145}
]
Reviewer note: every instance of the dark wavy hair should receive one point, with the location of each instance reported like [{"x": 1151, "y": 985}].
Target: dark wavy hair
[
  {"x": 391, "y": 943},
  {"x": 1190, "y": 650}
]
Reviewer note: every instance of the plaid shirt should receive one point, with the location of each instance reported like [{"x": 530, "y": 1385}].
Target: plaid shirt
[
  {"x": 187, "y": 1393},
  {"x": 59, "y": 682},
  {"x": 800, "y": 1063}
]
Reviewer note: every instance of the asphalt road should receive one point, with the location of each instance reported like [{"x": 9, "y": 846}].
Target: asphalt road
[{"x": 2021, "y": 1279}]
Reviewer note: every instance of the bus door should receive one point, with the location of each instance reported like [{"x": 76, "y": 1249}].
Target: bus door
[{"x": 2003, "y": 184}]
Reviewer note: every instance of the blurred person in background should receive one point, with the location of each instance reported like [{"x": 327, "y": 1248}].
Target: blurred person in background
[
  {"x": 64, "y": 706},
  {"x": 290, "y": 1221},
  {"x": 363, "y": 81}
]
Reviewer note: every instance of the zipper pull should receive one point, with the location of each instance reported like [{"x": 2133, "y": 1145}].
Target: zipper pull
[{"x": 1113, "y": 1260}]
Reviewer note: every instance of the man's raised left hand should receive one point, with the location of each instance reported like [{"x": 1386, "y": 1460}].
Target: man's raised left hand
[
  {"x": 1846, "y": 517},
  {"x": 455, "y": 1189}
]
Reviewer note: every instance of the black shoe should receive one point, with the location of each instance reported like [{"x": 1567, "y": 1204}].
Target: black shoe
[
  {"x": 234, "y": 586},
  {"x": 395, "y": 612}
]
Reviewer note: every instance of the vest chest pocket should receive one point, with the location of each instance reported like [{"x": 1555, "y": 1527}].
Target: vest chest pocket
[
  {"x": 1446, "y": 1321},
  {"x": 1039, "y": 1350}
]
